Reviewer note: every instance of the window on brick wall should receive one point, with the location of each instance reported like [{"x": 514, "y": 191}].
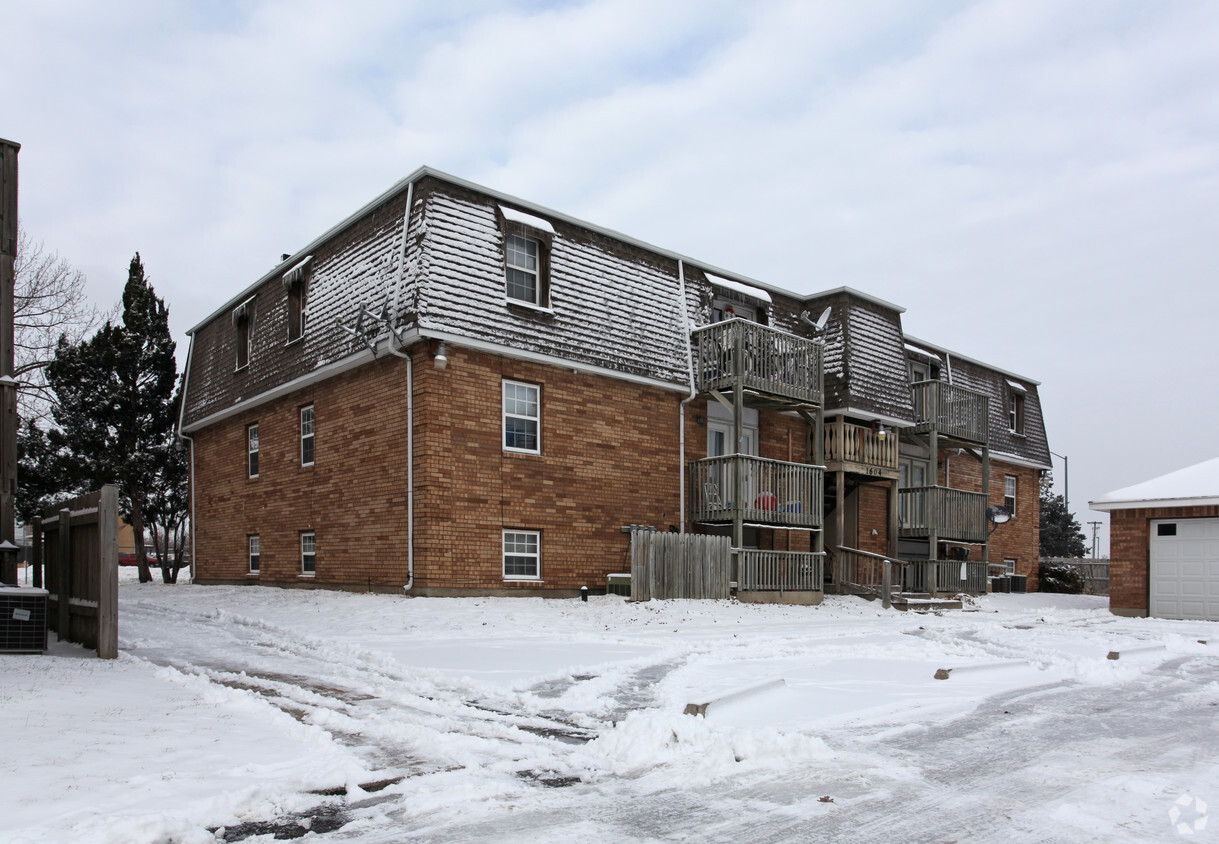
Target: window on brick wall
[
  {"x": 307, "y": 435},
  {"x": 522, "y": 417},
  {"x": 252, "y": 451},
  {"x": 1009, "y": 566},
  {"x": 522, "y": 555},
  {"x": 255, "y": 554},
  {"x": 1009, "y": 493},
  {"x": 308, "y": 553}
]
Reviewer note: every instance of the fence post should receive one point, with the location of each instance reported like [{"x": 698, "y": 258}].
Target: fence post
[
  {"x": 107, "y": 568},
  {"x": 36, "y": 550},
  {"x": 63, "y": 573},
  {"x": 886, "y": 584}
]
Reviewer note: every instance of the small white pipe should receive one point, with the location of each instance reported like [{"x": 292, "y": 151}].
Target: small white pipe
[
  {"x": 681, "y": 407},
  {"x": 410, "y": 400},
  {"x": 190, "y": 353}
]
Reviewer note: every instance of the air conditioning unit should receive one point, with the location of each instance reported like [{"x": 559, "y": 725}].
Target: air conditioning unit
[
  {"x": 1020, "y": 582},
  {"x": 23, "y": 620}
]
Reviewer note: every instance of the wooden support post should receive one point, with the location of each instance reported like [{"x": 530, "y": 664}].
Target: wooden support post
[
  {"x": 886, "y": 584},
  {"x": 107, "y": 564},
  {"x": 37, "y": 550},
  {"x": 63, "y": 573}
]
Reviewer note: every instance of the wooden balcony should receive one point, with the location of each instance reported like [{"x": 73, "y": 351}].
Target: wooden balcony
[
  {"x": 857, "y": 449},
  {"x": 951, "y": 514},
  {"x": 768, "y": 364},
  {"x": 772, "y": 492},
  {"x": 951, "y": 411}
]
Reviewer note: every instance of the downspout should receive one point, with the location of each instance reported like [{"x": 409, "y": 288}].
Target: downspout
[
  {"x": 410, "y": 402},
  {"x": 190, "y": 353},
  {"x": 948, "y": 364},
  {"x": 681, "y": 407}
]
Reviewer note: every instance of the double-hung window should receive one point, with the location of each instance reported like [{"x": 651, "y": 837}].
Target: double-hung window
[
  {"x": 522, "y": 417},
  {"x": 296, "y": 282},
  {"x": 308, "y": 553},
  {"x": 522, "y": 555},
  {"x": 524, "y": 269},
  {"x": 255, "y": 554},
  {"x": 252, "y": 450},
  {"x": 307, "y": 435},
  {"x": 1009, "y": 493},
  {"x": 1015, "y": 407}
]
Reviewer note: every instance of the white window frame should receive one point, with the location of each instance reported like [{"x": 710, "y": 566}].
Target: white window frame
[
  {"x": 1010, "y": 483},
  {"x": 517, "y": 552},
  {"x": 536, "y": 419},
  {"x": 308, "y": 427},
  {"x": 513, "y": 249},
  {"x": 1009, "y": 565},
  {"x": 252, "y": 466},
  {"x": 255, "y": 549},
  {"x": 308, "y": 553},
  {"x": 1015, "y": 413}
]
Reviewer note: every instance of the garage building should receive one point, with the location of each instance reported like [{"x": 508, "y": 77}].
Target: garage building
[{"x": 1164, "y": 545}]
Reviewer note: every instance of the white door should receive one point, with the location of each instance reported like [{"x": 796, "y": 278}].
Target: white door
[{"x": 1185, "y": 569}]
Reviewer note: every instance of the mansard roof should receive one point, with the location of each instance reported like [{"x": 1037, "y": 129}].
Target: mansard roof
[{"x": 615, "y": 306}]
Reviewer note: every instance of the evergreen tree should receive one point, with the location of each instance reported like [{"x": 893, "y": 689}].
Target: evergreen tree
[
  {"x": 114, "y": 407},
  {"x": 1060, "y": 533}
]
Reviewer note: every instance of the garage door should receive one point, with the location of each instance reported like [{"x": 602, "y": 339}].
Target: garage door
[{"x": 1185, "y": 568}]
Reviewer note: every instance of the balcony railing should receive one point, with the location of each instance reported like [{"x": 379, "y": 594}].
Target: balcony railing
[
  {"x": 787, "y": 571},
  {"x": 950, "y": 410},
  {"x": 949, "y": 513},
  {"x": 944, "y": 577},
  {"x": 765, "y": 361},
  {"x": 860, "y": 448},
  {"x": 771, "y": 492}
]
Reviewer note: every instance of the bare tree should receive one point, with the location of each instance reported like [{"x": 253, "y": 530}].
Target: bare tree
[{"x": 49, "y": 301}]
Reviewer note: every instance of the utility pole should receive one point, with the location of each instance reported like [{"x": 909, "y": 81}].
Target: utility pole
[
  {"x": 1095, "y": 525},
  {"x": 8, "y": 386}
]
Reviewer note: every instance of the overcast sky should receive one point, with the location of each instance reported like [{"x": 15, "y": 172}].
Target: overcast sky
[{"x": 1036, "y": 181}]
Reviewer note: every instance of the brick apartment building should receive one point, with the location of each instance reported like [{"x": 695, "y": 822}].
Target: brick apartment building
[{"x": 455, "y": 391}]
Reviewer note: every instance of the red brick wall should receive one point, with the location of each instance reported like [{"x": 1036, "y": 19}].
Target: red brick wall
[
  {"x": 353, "y": 497},
  {"x": 1130, "y": 553},
  {"x": 1020, "y": 538},
  {"x": 874, "y": 515},
  {"x": 609, "y": 458}
]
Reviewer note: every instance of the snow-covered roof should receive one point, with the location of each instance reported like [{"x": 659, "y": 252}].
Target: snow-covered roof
[
  {"x": 743, "y": 289},
  {"x": 910, "y": 347},
  {"x": 526, "y": 219},
  {"x": 1196, "y": 485}
]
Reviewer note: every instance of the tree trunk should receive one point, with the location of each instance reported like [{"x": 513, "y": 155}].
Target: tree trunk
[{"x": 137, "y": 532}]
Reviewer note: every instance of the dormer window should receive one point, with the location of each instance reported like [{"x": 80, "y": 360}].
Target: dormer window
[
  {"x": 296, "y": 282},
  {"x": 243, "y": 317},
  {"x": 527, "y": 243},
  {"x": 523, "y": 269},
  {"x": 1015, "y": 407}
]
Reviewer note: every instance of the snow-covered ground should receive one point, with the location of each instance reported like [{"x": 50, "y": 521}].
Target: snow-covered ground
[{"x": 266, "y": 712}]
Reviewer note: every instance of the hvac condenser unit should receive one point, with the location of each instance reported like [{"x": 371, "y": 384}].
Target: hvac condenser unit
[{"x": 23, "y": 620}]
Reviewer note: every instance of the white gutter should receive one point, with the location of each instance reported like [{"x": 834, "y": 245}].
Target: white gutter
[
  {"x": 410, "y": 402},
  {"x": 190, "y": 353},
  {"x": 681, "y": 407}
]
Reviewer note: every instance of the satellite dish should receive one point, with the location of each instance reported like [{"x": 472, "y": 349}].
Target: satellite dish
[{"x": 819, "y": 325}]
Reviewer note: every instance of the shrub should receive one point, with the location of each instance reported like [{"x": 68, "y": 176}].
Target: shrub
[{"x": 1060, "y": 577}]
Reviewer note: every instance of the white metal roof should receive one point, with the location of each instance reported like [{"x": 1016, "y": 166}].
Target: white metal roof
[{"x": 1193, "y": 486}]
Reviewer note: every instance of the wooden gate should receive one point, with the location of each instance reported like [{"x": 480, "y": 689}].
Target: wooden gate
[{"x": 77, "y": 548}]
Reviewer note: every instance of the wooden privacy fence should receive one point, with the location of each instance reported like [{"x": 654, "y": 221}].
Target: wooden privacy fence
[
  {"x": 679, "y": 565},
  {"x": 1095, "y": 572},
  {"x": 77, "y": 548}
]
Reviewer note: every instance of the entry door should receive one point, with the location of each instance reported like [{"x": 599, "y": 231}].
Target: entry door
[{"x": 1185, "y": 569}]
